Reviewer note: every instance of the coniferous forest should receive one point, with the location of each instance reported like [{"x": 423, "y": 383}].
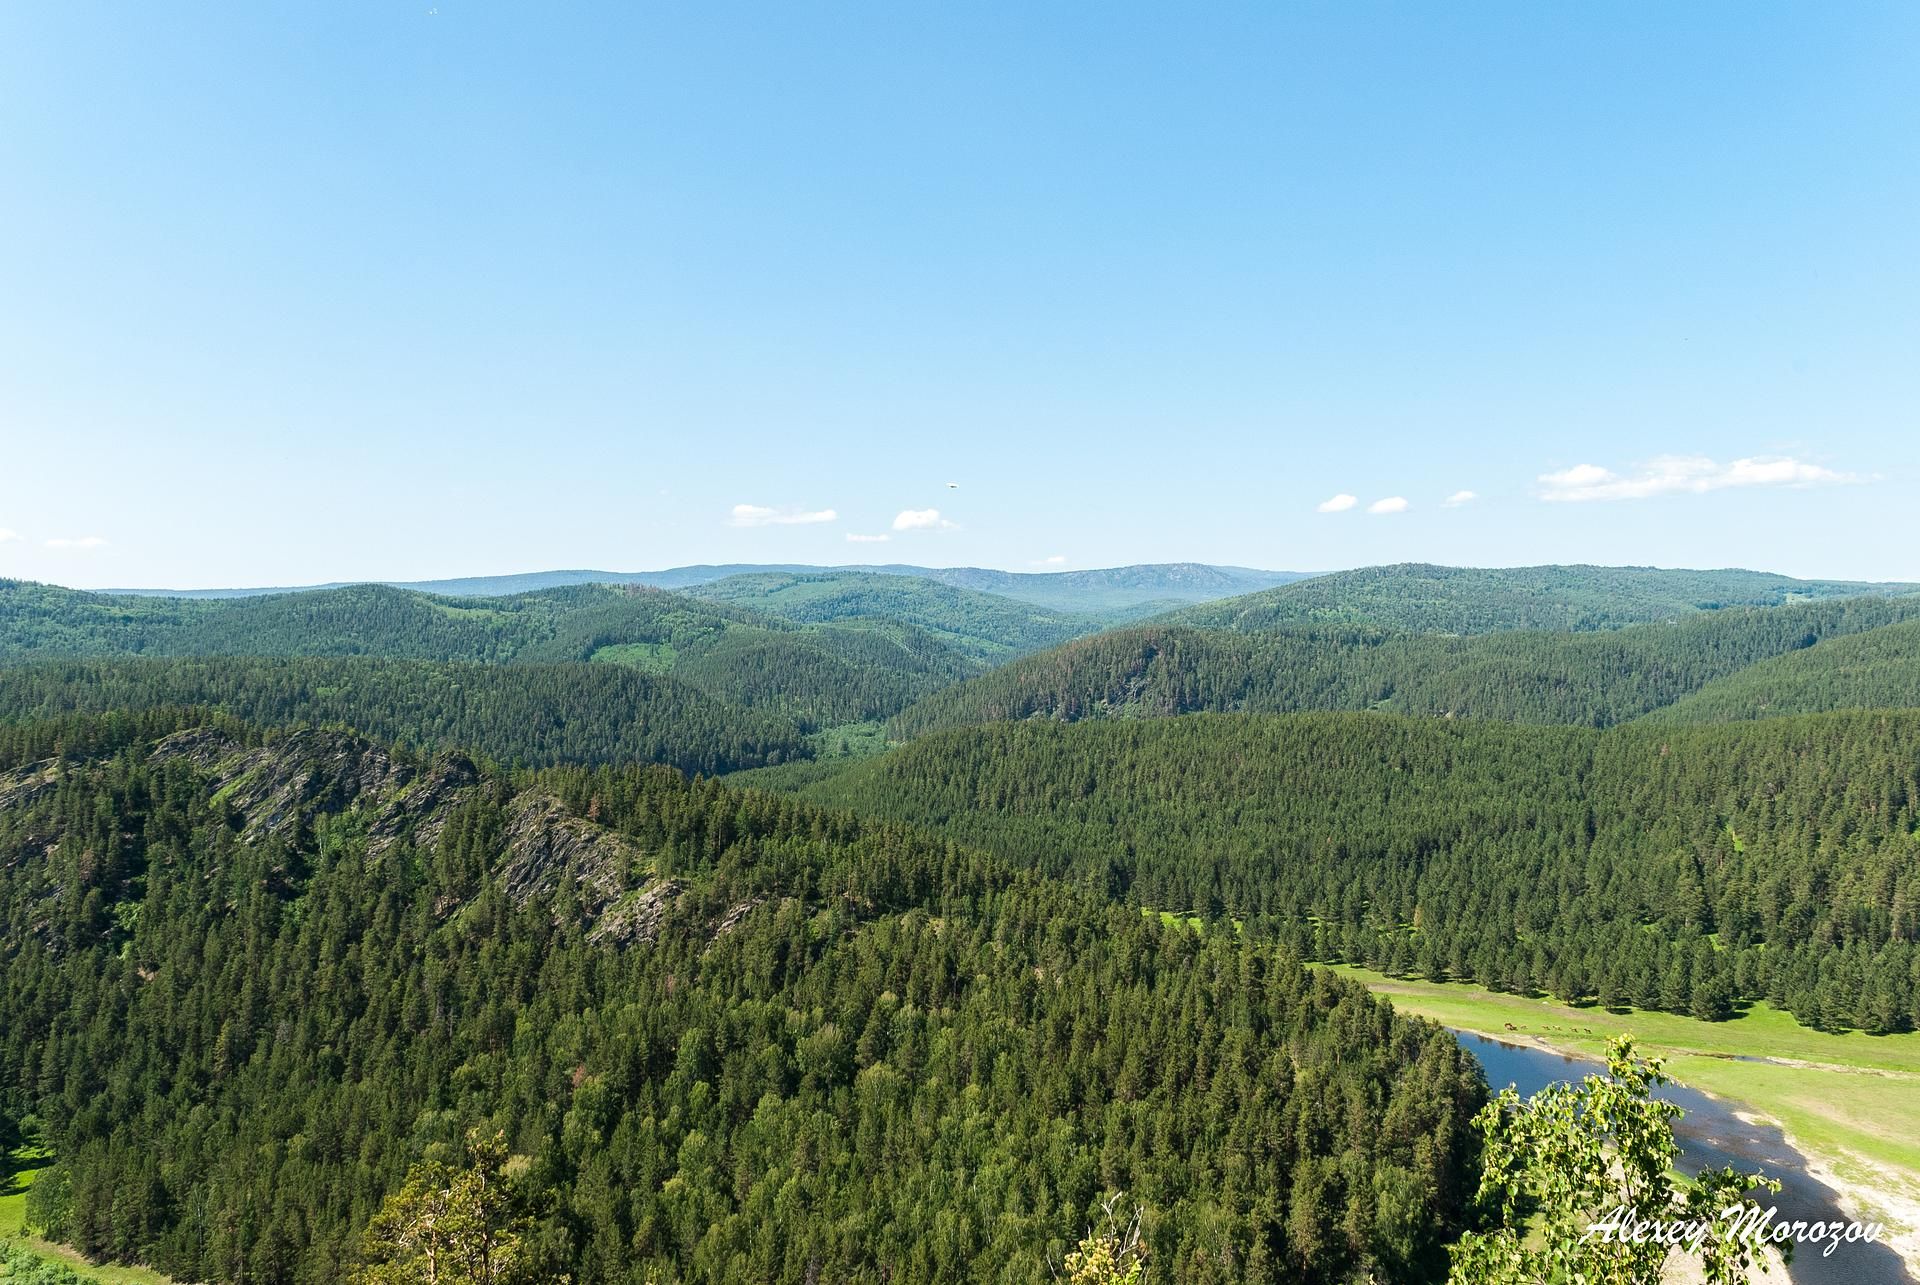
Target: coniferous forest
[
  {"x": 250, "y": 976},
  {"x": 1673, "y": 868},
  {"x": 313, "y": 902}
]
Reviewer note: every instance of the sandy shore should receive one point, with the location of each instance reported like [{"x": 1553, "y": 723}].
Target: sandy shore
[{"x": 1882, "y": 1195}]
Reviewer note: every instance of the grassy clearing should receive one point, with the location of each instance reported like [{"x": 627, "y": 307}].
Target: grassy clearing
[
  {"x": 654, "y": 657},
  {"x": 18, "y": 1169},
  {"x": 1761, "y": 1031},
  {"x": 835, "y": 749},
  {"x": 1194, "y": 923},
  {"x": 17, "y": 1172},
  {"x": 844, "y": 742},
  {"x": 46, "y": 1252},
  {"x": 1850, "y": 1102}
]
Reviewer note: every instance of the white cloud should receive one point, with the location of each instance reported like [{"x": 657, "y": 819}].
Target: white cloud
[
  {"x": 1051, "y": 560},
  {"x": 8, "y": 533},
  {"x": 1392, "y": 504},
  {"x": 761, "y": 515},
  {"x": 1338, "y": 503},
  {"x": 882, "y": 538},
  {"x": 922, "y": 520},
  {"x": 77, "y": 542},
  {"x": 1459, "y": 498},
  {"x": 1682, "y": 475}
]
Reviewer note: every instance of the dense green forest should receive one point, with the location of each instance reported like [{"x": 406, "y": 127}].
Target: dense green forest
[
  {"x": 296, "y": 890},
  {"x": 533, "y": 714},
  {"x": 1879, "y": 669},
  {"x": 1672, "y": 868},
  {"x": 818, "y": 674},
  {"x": 826, "y": 650},
  {"x": 1592, "y": 678},
  {"x": 561, "y": 623},
  {"x": 249, "y": 978},
  {"x": 1422, "y": 598},
  {"x": 360, "y": 620}
]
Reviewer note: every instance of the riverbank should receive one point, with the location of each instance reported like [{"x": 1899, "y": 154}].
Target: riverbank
[{"x": 1861, "y": 1137}]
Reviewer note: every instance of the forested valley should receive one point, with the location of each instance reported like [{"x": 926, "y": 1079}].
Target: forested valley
[
  {"x": 250, "y": 976},
  {"x": 806, "y": 925}
]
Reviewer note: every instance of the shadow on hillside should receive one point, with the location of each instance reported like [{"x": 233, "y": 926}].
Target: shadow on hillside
[{"x": 17, "y": 1169}]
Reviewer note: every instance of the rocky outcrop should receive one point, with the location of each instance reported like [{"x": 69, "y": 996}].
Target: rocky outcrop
[
  {"x": 419, "y": 811},
  {"x": 735, "y": 913},
  {"x": 302, "y": 773},
  {"x": 636, "y": 918},
  {"x": 549, "y": 847},
  {"x": 18, "y": 789},
  {"x": 545, "y": 847},
  {"x": 22, "y": 786},
  {"x": 309, "y": 772}
]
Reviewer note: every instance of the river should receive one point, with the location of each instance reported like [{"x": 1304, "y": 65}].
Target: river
[{"x": 1710, "y": 1134}]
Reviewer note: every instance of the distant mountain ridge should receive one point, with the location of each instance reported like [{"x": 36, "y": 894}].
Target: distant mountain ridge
[
  {"x": 989, "y": 627},
  {"x": 1424, "y": 598},
  {"x": 1596, "y": 678},
  {"x": 1169, "y": 583}
]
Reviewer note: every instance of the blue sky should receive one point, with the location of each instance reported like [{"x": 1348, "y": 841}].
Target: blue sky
[{"x": 315, "y": 291}]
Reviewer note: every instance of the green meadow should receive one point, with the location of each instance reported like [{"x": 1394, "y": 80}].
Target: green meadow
[
  {"x": 17, "y": 1172},
  {"x": 1867, "y": 1136}
]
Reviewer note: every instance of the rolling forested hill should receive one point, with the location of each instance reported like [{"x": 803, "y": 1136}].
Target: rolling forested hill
[
  {"x": 249, "y": 977},
  {"x": 817, "y": 674},
  {"x": 1112, "y": 592},
  {"x": 358, "y": 620},
  {"x": 536, "y": 714},
  {"x": 1420, "y": 598},
  {"x": 1677, "y": 868},
  {"x": 759, "y": 662},
  {"x": 1879, "y": 669},
  {"x": 1594, "y": 678},
  {"x": 984, "y": 626}
]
